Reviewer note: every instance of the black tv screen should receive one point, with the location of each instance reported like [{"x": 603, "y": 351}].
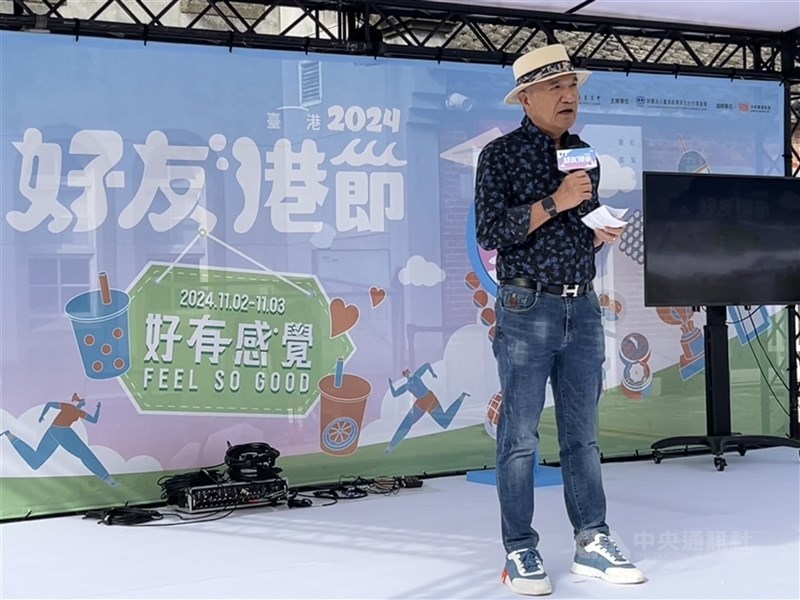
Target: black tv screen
[{"x": 712, "y": 240}]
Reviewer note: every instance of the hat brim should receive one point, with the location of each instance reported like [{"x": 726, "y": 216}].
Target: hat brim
[{"x": 513, "y": 95}]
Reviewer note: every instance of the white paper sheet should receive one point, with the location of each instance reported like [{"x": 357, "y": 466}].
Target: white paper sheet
[{"x": 605, "y": 216}]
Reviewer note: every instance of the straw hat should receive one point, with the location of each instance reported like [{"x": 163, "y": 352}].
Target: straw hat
[{"x": 540, "y": 65}]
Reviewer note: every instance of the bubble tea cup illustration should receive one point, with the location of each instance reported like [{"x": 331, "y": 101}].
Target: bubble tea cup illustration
[
  {"x": 100, "y": 322},
  {"x": 344, "y": 398}
]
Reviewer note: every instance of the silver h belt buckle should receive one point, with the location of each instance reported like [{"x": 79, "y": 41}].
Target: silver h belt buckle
[{"x": 570, "y": 291}]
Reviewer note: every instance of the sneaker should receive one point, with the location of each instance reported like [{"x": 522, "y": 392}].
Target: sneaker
[
  {"x": 601, "y": 558},
  {"x": 524, "y": 573}
]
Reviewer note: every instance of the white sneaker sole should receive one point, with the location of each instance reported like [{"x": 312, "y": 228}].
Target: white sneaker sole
[
  {"x": 620, "y": 576},
  {"x": 529, "y": 587}
]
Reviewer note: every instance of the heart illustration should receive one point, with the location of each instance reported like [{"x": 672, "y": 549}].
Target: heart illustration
[
  {"x": 343, "y": 317},
  {"x": 377, "y": 295}
]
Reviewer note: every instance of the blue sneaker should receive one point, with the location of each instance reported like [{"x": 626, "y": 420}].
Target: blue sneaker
[
  {"x": 524, "y": 573},
  {"x": 600, "y": 557}
]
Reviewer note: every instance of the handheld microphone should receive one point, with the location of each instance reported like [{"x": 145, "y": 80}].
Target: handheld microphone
[{"x": 574, "y": 157}]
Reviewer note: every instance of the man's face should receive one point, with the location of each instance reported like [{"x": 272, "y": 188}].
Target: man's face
[{"x": 552, "y": 105}]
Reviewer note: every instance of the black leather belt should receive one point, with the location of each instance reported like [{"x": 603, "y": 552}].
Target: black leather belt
[{"x": 566, "y": 290}]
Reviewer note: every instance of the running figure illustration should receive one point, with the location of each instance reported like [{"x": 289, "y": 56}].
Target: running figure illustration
[
  {"x": 426, "y": 402},
  {"x": 60, "y": 433}
]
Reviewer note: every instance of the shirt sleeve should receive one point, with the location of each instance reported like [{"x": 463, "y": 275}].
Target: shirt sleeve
[
  {"x": 497, "y": 223},
  {"x": 596, "y": 198},
  {"x": 596, "y": 190}
]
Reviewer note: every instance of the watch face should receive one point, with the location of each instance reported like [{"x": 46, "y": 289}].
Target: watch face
[{"x": 549, "y": 206}]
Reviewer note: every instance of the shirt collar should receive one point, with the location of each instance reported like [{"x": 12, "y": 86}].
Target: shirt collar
[{"x": 537, "y": 134}]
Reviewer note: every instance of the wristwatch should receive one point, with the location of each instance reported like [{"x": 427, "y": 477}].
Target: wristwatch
[{"x": 549, "y": 206}]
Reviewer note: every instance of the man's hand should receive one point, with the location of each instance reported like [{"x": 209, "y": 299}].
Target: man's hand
[
  {"x": 609, "y": 235},
  {"x": 575, "y": 188}
]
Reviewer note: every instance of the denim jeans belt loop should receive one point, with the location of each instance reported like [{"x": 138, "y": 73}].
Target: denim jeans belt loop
[{"x": 565, "y": 290}]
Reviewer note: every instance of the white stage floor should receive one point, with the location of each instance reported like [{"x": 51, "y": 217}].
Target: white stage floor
[{"x": 696, "y": 532}]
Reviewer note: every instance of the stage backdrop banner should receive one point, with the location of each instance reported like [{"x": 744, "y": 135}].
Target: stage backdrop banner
[{"x": 203, "y": 247}]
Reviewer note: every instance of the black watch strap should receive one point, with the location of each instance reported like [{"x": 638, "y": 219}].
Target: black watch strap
[{"x": 549, "y": 206}]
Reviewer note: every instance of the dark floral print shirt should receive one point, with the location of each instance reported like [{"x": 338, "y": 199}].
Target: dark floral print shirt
[{"x": 514, "y": 171}]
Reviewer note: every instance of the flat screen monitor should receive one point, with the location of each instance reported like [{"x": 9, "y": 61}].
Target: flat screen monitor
[{"x": 713, "y": 240}]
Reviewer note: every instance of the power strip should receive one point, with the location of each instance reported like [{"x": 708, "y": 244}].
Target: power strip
[{"x": 230, "y": 495}]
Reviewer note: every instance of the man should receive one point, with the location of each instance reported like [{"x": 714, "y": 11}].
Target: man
[
  {"x": 60, "y": 433},
  {"x": 548, "y": 319},
  {"x": 425, "y": 402}
]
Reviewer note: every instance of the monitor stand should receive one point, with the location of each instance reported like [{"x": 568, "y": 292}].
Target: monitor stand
[{"x": 718, "y": 402}]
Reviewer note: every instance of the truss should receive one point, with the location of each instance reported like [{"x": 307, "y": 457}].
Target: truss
[
  {"x": 792, "y": 80},
  {"x": 412, "y": 29},
  {"x": 794, "y": 371},
  {"x": 424, "y": 30}
]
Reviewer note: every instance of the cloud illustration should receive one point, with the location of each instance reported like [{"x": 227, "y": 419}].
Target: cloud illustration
[
  {"x": 614, "y": 178},
  {"x": 419, "y": 271}
]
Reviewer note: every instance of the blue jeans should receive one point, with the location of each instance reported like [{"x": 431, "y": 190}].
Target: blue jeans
[{"x": 541, "y": 335}]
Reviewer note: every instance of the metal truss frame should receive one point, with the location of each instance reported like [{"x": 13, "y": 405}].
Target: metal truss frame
[
  {"x": 791, "y": 80},
  {"x": 791, "y": 62},
  {"x": 793, "y": 315},
  {"x": 425, "y": 30}
]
